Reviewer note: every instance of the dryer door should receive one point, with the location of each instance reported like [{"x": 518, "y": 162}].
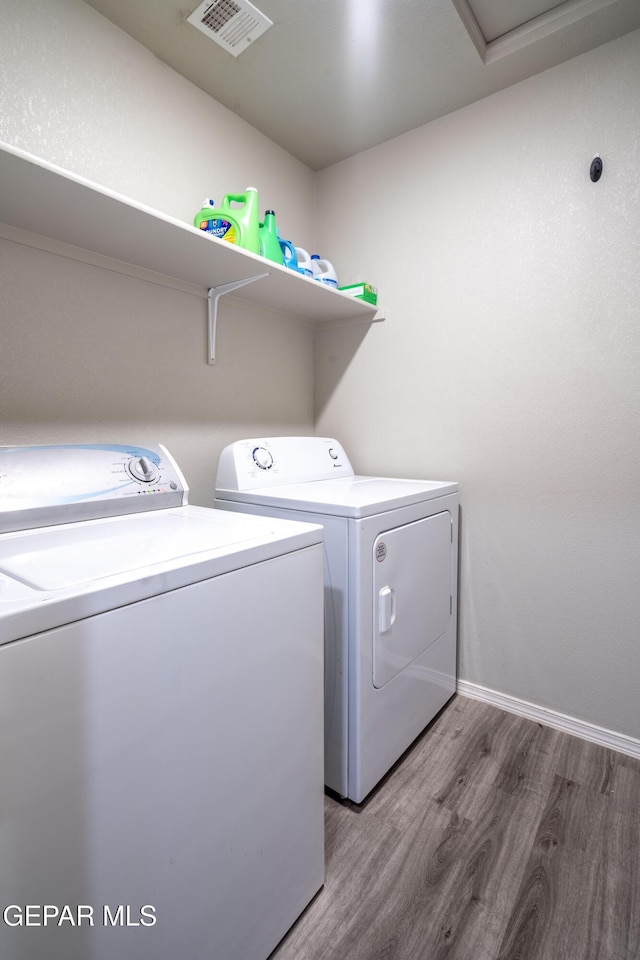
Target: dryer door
[{"x": 411, "y": 592}]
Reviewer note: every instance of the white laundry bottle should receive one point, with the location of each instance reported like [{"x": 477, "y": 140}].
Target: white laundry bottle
[
  {"x": 323, "y": 271},
  {"x": 304, "y": 262}
]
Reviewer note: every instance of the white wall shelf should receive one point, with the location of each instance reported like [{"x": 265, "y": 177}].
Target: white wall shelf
[{"x": 43, "y": 199}]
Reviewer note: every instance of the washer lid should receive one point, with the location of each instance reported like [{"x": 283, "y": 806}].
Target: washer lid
[
  {"x": 53, "y": 576},
  {"x": 61, "y": 557},
  {"x": 345, "y": 496}
]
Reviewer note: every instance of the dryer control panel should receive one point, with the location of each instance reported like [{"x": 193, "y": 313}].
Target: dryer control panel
[
  {"x": 62, "y": 483},
  {"x": 272, "y": 461}
]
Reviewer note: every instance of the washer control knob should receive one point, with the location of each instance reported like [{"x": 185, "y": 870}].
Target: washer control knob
[
  {"x": 262, "y": 458},
  {"x": 143, "y": 469},
  {"x": 333, "y": 453}
]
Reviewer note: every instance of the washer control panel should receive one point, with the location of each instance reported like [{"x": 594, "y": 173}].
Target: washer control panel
[
  {"x": 62, "y": 483},
  {"x": 269, "y": 461}
]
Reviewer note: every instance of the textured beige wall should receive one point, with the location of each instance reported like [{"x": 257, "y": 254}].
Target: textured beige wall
[
  {"x": 510, "y": 361},
  {"x": 89, "y": 354}
]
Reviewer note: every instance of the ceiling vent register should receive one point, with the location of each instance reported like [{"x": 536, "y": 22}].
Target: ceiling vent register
[{"x": 232, "y": 24}]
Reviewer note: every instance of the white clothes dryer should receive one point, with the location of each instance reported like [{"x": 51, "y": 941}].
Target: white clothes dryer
[
  {"x": 391, "y": 561},
  {"x": 161, "y": 749}
]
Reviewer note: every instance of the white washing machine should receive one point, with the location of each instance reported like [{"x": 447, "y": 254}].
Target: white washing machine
[
  {"x": 391, "y": 559},
  {"x": 161, "y": 756}
]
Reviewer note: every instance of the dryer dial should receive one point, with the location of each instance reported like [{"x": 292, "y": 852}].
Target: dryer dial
[{"x": 262, "y": 458}]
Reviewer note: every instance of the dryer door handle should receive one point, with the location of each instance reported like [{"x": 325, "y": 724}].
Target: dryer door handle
[{"x": 386, "y": 609}]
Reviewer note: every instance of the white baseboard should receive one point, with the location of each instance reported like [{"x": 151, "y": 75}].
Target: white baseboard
[{"x": 578, "y": 728}]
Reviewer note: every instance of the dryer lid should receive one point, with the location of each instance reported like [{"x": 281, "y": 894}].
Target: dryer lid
[
  {"x": 354, "y": 497},
  {"x": 312, "y": 474}
]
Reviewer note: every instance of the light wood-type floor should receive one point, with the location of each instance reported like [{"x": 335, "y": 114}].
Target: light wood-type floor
[{"x": 494, "y": 838}]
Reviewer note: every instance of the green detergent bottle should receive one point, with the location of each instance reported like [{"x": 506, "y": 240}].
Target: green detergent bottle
[
  {"x": 235, "y": 224},
  {"x": 269, "y": 240}
]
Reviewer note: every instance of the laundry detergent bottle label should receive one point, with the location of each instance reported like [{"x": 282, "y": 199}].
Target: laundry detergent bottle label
[{"x": 222, "y": 229}]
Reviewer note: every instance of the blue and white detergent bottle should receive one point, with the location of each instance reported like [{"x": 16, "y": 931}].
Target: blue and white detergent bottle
[
  {"x": 304, "y": 262},
  {"x": 323, "y": 271},
  {"x": 289, "y": 257}
]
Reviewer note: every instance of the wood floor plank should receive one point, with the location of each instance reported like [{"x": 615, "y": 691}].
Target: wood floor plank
[
  {"x": 417, "y": 875},
  {"x": 552, "y": 912},
  {"x": 371, "y": 869},
  {"x": 586, "y": 763},
  {"x": 528, "y": 768},
  {"x": 357, "y": 853},
  {"x": 471, "y": 915},
  {"x": 493, "y": 838},
  {"x": 614, "y": 928}
]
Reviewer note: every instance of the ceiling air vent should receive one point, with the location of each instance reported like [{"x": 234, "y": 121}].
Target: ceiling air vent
[{"x": 233, "y": 24}]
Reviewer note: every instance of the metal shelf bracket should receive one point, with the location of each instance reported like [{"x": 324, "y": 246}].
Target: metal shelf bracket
[{"x": 212, "y": 297}]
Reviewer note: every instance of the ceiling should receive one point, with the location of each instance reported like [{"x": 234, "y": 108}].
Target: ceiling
[{"x": 331, "y": 78}]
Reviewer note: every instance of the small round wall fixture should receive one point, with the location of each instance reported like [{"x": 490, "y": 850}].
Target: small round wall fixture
[{"x": 595, "y": 171}]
